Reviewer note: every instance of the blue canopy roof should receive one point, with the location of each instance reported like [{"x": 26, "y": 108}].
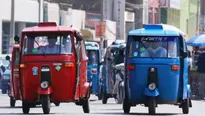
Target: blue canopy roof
[{"x": 154, "y": 30}]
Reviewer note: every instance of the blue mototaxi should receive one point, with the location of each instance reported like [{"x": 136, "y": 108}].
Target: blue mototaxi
[
  {"x": 156, "y": 69},
  {"x": 93, "y": 53},
  {"x": 110, "y": 85}
]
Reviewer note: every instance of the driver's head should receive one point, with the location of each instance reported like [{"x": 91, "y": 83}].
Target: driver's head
[
  {"x": 155, "y": 45},
  {"x": 52, "y": 40}
]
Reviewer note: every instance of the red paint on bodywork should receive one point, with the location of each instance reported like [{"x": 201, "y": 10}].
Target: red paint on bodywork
[{"x": 47, "y": 91}]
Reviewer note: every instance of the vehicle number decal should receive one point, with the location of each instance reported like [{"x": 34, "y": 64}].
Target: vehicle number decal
[{"x": 35, "y": 70}]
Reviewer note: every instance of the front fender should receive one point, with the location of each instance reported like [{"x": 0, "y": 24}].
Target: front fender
[
  {"x": 87, "y": 87},
  {"x": 151, "y": 93},
  {"x": 47, "y": 91}
]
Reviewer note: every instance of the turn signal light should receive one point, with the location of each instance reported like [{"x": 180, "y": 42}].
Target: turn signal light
[
  {"x": 175, "y": 67},
  {"x": 130, "y": 67},
  {"x": 68, "y": 64},
  {"x": 22, "y": 65}
]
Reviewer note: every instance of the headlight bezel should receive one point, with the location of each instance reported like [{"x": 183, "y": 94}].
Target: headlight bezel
[
  {"x": 152, "y": 86},
  {"x": 44, "y": 85}
]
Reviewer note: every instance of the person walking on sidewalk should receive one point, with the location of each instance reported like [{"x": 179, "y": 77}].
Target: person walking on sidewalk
[{"x": 201, "y": 74}]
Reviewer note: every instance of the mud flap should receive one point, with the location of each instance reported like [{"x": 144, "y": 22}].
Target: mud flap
[
  {"x": 151, "y": 93},
  {"x": 47, "y": 91}
]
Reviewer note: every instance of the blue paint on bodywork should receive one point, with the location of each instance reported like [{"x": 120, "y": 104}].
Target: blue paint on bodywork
[
  {"x": 151, "y": 93},
  {"x": 171, "y": 85}
]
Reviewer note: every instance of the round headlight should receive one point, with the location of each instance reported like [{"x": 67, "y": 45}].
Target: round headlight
[
  {"x": 44, "y": 85},
  {"x": 152, "y": 86}
]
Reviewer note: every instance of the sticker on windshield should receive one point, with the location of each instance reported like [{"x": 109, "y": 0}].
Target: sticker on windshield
[
  {"x": 34, "y": 50},
  {"x": 35, "y": 70},
  {"x": 135, "y": 53},
  {"x": 142, "y": 49},
  {"x": 26, "y": 49}
]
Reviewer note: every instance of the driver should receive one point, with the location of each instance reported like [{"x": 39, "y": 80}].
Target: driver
[
  {"x": 52, "y": 47},
  {"x": 155, "y": 50}
]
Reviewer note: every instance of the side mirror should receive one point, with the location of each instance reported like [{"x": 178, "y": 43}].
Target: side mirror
[
  {"x": 78, "y": 36},
  {"x": 101, "y": 62},
  {"x": 16, "y": 39},
  {"x": 185, "y": 54},
  {"x": 8, "y": 58},
  {"x": 109, "y": 59}
]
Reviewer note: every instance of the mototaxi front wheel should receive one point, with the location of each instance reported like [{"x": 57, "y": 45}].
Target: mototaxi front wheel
[
  {"x": 152, "y": 105},
  {"x": 45, "y": 101},
  {"x": 25, "y": 107},
  {"x": 86, "y": 106},
  {"x": 126, "y": 107},
  {"x": 12, "y": 102},
  {"x": 119, "y": 96},
  {"x": 185, "y": 106}
]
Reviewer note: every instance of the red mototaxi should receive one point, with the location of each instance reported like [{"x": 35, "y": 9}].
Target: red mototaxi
[
  {"x": 40, "y": 77},
  {"x": 14, "y": 91}
]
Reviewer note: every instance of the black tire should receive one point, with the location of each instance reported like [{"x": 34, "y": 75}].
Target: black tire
[
  {"x": 57, "y": 104},
  {"x": 12, "y": 102},
  {"x": 25, "y": 107},
  {"x": 185, "y": 106},
  {"x": 104, "y": 98},
  {"x": 126, "y": 107},
  {"x": 152, "y": 106},
  {"x": 86, "y": 106},
  {"x": 3, "y": 91},
  {"x": 45, "y": 101},
  {"x": 119, "y": 99},
  {"x": 100, "y": 94}
]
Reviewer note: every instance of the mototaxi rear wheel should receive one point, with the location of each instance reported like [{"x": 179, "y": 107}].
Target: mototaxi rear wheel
[
  {"x": 185, "y": 106},
  {"x": 152, "y": 105},
  {"x": 57, "y": 104},
  {"x": 25, "y": 107},
  {"x": 126, "y": 107},
  {"x": 12, "y": 102},
  {"x": 86, "y": 106},
  {"x": 104, "y": 98},
  {"x": 45, "y": 101}
]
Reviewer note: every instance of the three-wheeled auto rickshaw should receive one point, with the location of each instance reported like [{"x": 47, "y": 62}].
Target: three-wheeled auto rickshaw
[
  {"x": 111, "y": 87},
  {"x": 14, "y": 90},
  {"x": 93, "y": 53},
  {"x": 52, "y": 67},
  {"x": 156, "y": 69}
]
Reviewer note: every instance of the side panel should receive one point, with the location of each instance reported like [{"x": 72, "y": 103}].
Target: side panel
[
  {"x": 185, "y": 73},
  {"x": 168, "y": 80},
  {"x": 83, "y": 71},
  {"x": 63, "y": 80},
  {"x": 15, "y": 74}
]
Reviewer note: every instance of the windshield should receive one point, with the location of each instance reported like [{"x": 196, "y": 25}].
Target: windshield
[
  {"x": 93, "y": 57},
  {"x": 47, "y": 44},
  {"x": 155, "y": 47}
]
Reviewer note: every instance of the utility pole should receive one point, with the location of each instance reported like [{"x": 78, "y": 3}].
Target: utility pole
[
  {"x": 12, "y": 23},
  {"x": 40, "y": 2},
  {"x": 197, "y": 16},
  {"x": 102, "y": 19}
]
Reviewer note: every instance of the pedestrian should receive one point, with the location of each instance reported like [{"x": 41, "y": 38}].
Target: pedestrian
[{"x": 201, "y": 73}]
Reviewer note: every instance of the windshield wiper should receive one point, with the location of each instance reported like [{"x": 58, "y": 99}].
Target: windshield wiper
[
  {"x": 39, "y": 46},
  {"x": 147, "y": 50}
]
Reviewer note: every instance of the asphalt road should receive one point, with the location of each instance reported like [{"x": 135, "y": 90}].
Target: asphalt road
[{"x": 98, "y": 109}]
